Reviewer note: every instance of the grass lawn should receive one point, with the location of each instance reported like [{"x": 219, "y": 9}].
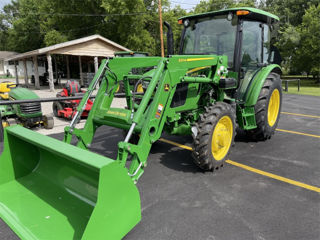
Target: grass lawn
[
  {"x": 5, "y": 77},
  {"x": 307, "y": 87}
]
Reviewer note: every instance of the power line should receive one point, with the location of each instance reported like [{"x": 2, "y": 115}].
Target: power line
[
  {"x": 192, "y": 4},
  {"x": 84, "y": 14}
]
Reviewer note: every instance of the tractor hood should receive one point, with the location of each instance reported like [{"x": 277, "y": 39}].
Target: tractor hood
[{"x": 22, "y": 93}]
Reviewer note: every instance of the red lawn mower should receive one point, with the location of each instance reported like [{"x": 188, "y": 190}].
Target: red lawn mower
[{"x": 67, "y": 109}]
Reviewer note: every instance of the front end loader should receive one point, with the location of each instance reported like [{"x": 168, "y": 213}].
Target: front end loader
[{"x": 225, "y": 75}]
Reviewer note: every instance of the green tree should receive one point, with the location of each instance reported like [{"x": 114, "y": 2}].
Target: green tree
[
  {"x": 288, "y": 42},
  {"x": 32, "y": 23},
  {"x": 72, "y": 18},
  {"x": 289, "y": 11},
  {"x": 3, "y": 32},
  {"x": 307, "y": 55},
  {"x": 126, "y": 24},
  {"x": 214, "y": 5},
  {"x": 25, "y": 33},
  {"x": 6, "y": 17},
  {"x": 54, "y": 37},
  {"x": 172, "y": 16}
]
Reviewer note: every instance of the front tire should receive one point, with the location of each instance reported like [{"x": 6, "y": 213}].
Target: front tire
[
  {"x": 215, "y": 136},
  {"x": 267, "y": 108},
  {"x": 120, "y": 88},
  {"x": 48, "y": 122},
  {"x": 56, "y": 106}
]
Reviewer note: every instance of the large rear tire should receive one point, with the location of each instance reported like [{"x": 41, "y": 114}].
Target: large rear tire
[
  {"x": 120, "y": 88},
  {"x": 214, "y": 137},
  {"x": 267, "y": 108}
]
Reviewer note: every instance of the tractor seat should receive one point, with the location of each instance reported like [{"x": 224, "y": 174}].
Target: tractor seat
[{"x": 73, "y": 87}]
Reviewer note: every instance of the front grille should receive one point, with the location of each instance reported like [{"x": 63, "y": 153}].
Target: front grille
[{"x": 29, "y": 108}]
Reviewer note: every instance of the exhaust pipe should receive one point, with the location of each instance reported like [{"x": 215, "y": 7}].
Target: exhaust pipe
[{"x": 170, "y": 42}]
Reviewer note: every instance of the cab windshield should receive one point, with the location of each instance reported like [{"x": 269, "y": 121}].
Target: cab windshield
[{"x": 211, "y": 35}]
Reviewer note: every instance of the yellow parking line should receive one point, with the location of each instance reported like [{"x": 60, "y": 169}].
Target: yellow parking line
[
  {"x": 299, "y": 133},
  {"x": 271, "y": 175},
  {"x": 251, "y": 169},
  {"x": 176, "y": 144},
  {"x": 302, "y": 115}
]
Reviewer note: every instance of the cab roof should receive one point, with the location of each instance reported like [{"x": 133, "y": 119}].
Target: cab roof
[{"x": 255, "y": 14}]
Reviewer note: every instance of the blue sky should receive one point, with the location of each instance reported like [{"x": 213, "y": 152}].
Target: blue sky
[
  {"x": 4, "y": 2},
  {"x": 187, "y": 4}
]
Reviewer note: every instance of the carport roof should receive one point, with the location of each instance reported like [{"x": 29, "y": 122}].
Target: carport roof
[
  {"x": 56, "y": 49},
  {"x": 6, "y": 54}
]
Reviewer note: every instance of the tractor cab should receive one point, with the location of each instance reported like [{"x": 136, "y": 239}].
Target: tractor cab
[{"x": 244, "y": 35}]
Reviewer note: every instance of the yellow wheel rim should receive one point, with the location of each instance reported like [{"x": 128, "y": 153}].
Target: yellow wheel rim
[
  {"x": 140, "y": 88},
  {"x": 118, "y": 88},
  {"x": 222, "y": 138},
  {"x": 273, "y": 108},
  {"x": 5, "y": 124}
]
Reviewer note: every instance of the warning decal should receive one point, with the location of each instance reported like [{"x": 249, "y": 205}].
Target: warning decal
[{"x": 159, "y": 111}]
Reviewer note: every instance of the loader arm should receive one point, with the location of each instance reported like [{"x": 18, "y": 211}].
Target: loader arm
[{"x": 154, "y": 109}]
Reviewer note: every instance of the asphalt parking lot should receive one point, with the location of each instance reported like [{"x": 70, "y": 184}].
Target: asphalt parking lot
[{"x": 268, "y": 190}]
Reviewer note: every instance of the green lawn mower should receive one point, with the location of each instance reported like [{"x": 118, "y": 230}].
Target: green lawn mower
[
  {"x": 225, "y": 76},
  {"x": 26, "y": 114}
]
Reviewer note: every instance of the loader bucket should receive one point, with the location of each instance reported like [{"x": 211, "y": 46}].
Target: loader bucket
[{"x": 52, "y": 190}]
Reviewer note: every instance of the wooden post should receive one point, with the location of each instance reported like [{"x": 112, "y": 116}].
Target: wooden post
[
  {"x": 96, "y": 64},
  {"x": 50, "y": 71},
  {"x": 80, "y": 70},
  {"x": 36, "y": 72},
  {"x": 56, "y": 69},
  {"x": 96, "y": 67},
  {"x": 68, "y": 67},
  {"x": 161, "y": 31},
  {"x": 16, "y": 71},
  {"x": 25, "y": 72}
]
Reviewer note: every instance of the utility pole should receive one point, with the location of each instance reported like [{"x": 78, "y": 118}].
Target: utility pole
[{"x": 161, "y": 31}]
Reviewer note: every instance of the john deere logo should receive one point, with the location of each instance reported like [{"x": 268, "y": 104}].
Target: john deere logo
[
  {"x": 117, "y": 113},
  {"x": 194, "y": 59},
  {"x": 166, "y": 87}
]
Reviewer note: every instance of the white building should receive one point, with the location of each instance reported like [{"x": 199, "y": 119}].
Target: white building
[
  {"x": 8, "y": 68},
  {"x": 87, "y": 50}
]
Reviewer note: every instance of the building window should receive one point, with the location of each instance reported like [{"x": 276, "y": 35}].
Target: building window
[{"x": 11, "y": 62}]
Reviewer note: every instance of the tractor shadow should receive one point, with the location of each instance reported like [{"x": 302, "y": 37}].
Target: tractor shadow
[
  {"x": 242, "y": 136},
  {"x": 178, "y": 160},
  {"x": 174, "y": 157},
  {"x": 105, "y": 142}
]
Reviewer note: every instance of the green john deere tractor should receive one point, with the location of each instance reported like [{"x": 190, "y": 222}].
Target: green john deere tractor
[
  {"x": 225, "y": 76},
  {"x": 26, "y": 114}
]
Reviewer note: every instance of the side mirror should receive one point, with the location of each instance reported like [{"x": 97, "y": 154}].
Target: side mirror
[
  {"x": 170, "y": 47},
  {"x": 275, "y": 56}
]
